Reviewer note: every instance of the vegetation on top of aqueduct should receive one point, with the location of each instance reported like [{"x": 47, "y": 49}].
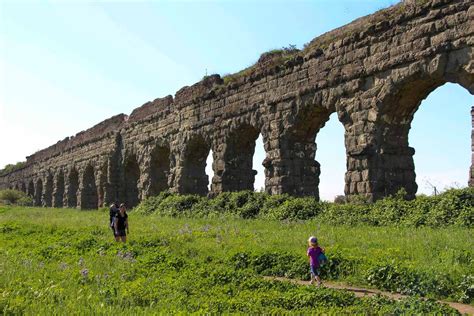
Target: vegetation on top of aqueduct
[
  {"x": 12, "y": 167},
  {"x": 287, "y": 57}
]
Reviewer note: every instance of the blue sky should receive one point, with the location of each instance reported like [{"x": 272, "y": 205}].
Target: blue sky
[{"x": 67, "y": 65}]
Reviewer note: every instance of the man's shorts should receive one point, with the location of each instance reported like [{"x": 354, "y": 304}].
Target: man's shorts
[{"x": 120, "y": 233}]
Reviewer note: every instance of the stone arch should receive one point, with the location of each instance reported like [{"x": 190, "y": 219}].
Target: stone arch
[
  {"x": 58, "y": 193},
  {"x": 48, "y": 191},
  {"x": 159, "y": 169},
  {"x": 193, "y": 178},
  {"x": 239, "y": 148},
  {"x": 72, "y": 188},
  {"x": 131, "y": 179},
  {"x": 331, "y": 156},
  {"x": 298, "y": 145},
  {"x": 394, "y": 165},
  {"x": 31, "y": 189},
  {"x": 89, "y": 197},
  {"x": 38, "y": 192}
]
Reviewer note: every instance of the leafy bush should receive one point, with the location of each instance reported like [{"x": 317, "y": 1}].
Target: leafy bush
[
  {"x": 296, "y": 209},
  {"x": 340, "y": 199},
  {"x": 25, "y": 201},
  {"x": 14, "y": 197},
  {"x": 465, "y": 290},
  {"x": 412, "y": 305},
  {"x": 178, "y": 205},
  {"x": 453, "y": 207},
  {"x": 289, "y": 265},
  {"x": 151, "y": 204},
  {"x": 396, "y": 278}
]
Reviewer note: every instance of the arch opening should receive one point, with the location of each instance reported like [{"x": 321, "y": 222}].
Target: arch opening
[
  {"x": 210, "y": 170},
  {"x": 31, "y": 189},
  {"x": 194, "y": 179},
  {"x": 446, "y": 168},
  {"x": 159, "y": 169},
  {"x": 38, "y": 192},
  {"x": 23, "y": 187},
  {"x": 398, "y": 156},
  {"x": 331, "y": 155},
  {"x": 72, "y": 188},
  {"x": 132, "y": 176},
  {"x": 257, "y": 163},
  {"x": 89, "y": 197},
  {"x": 58, "y": 195}
]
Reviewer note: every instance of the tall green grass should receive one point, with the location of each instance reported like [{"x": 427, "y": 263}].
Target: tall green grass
[{"x": 66, "y": 261}]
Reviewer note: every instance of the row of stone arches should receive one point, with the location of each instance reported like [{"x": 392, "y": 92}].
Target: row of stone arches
[
  {"x": 52, "y": 191},
  {"x": 376, "y": 116}
]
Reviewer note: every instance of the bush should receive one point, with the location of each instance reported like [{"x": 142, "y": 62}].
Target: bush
[
  {"x": 453, "y": 207},
  {"x": 25, "y": 201},
  {"x": 151, "y": 204},
  {"x": 296, "y": 209},
  {"x": 339, "y": 199},
  {"x": 178, "y": 205},
  {"x": 396, "y": 278},
  {"x": 291, "y": 266},
  {"x": 14, "y": 196}
]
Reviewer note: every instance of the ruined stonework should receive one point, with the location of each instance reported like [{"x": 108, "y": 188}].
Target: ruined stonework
[{"x": 373, "y": 72}]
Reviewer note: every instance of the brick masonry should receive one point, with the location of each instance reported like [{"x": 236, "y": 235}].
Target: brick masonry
[{"x": 374, "y": 72}]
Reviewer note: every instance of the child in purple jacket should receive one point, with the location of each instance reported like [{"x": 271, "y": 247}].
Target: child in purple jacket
[{"x": 313, "y": 253}]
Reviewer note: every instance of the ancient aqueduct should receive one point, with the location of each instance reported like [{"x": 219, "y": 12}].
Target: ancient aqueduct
[{"x": 373, "y": 72}]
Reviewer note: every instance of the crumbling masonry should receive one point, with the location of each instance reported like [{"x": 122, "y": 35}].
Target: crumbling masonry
[{"x": 373, "y": 72}]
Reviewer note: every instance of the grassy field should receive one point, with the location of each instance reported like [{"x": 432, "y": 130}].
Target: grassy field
[{"x": 66, "y": 261}]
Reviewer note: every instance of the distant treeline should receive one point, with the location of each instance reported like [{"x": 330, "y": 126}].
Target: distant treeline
[{"x": 10, "y": 167}]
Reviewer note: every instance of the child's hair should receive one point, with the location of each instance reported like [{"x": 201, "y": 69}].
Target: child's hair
[{"x": 313, "y": 241}]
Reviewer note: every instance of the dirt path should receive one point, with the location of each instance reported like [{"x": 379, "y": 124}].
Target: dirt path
[{"x": 362, "y": 292}]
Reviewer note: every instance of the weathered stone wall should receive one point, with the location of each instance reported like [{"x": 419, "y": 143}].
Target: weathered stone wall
[{"x": 373, "y": 72}]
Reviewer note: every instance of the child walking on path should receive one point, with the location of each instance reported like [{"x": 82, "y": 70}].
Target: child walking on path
[{"x": 313, "y": 252}]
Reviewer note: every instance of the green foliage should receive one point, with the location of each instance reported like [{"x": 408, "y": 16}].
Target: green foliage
[
  {"x": 151, "y": 204},
  {"x": 15, "y": 197},
  {"x": 12, "y": 167},
  {"x": 452, "y": 208},
  {"x": 270, "y": 59},
  {"x": 295, "y": 209},
  {"x": 25, "y": 201},
  {"x": 340, "y": 199},
  {"x": 289, "y": 265},
  {"x": 63, "y": 261},
  {"x": 407, "y": 306},
  {"x": 403, "y": 280}
]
